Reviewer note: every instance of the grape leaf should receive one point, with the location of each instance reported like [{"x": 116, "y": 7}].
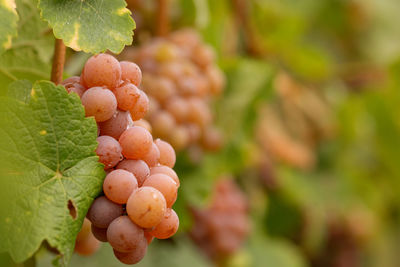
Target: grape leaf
[
  {"x": 90, "y": 25},
  {"x": 30, "y": 52},
  {"x": 8, "y": 23},
  {"x": 49, "y": 171}
]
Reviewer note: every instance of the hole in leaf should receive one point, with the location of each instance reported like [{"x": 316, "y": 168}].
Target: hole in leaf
[
  {"x": 50, "y": 248},
  {"x": 72, "y": 209}
]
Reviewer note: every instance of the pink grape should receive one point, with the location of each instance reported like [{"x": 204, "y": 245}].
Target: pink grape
[
  {"x": 165, "y": 184},
  {"x": 166, "y": 170},
  {"x": 167, "y": 227},
  {"x": 116, "y": 125},
  {"x": 127, "y": 96},
  {"x": 119, "y": 185},
  {"x": 136, "y": 142},
  {"x": 109, "y": 151},
  {"x": 153, "y": 156},
  {"x": 103, "y": 212},
  {"x": 125, "y": 236},
  {"x": 131, "y": 72},
  {"x": 99, "y": 233},
  {"x": 134, "y": 256},
  {"x": 138, "y": 168},
  {"x": 100, "y": 103},
  {"x": 146, "y": 207},
  {"x": 167, "y": 153},
  {"x": 141, "y": 107},
  {"x": 102, "y": 70}
]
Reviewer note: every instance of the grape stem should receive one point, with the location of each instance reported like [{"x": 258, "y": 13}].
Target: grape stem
[
  {"x": 58, "y": 62},
  {"x": 162, "y": 18},
  {"x": 241, "y": 9}
]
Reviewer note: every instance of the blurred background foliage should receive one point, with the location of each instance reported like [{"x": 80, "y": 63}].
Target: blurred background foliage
[{"x": 311, "y": 125}]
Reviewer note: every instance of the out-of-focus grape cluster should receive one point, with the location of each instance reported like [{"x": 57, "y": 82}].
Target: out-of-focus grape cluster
[
  {"x": 181, "y": 79},
  {"x": 141, "y": 186},
  {"x": 221, "y": 229}
]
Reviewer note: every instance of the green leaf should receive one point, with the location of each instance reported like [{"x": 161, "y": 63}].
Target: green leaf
[
  {"x": 8, "y": 23},
  {"x": 30, "y": 53},
  {"x": 49, "y": 171},
  {"x": 92, "y": 25}
]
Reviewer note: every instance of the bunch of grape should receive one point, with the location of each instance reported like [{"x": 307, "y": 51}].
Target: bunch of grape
[
  {"x": 181, "y": 78},
  {"x": 220, "y": 229},
  {"x": 141, "y": 186}
]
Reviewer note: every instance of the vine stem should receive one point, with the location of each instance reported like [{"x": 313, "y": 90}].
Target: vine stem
[
  {"x": 58, "y": 61},
  {"x": 162, "y": 18},
  {"x": 241, "y": 9}
]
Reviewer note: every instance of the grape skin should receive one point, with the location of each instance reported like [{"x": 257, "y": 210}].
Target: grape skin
[
  {"x": 167, "y": 227},
  {"x": 101, "y": 70},
  {"x": 130, "y": 72},
  {"x": 165, "y": 184},
  {"x": 127, "y": 96},
  {"x": 103, "y": 211},
  {"x": 109, "y": 151},
  {"x": 146, "y": 207},
  {"x": 100, "y": 103},
  {"x": 143, "y": 123},
  {"x": 153, "y": 156},
  {"x": 119, "y": 185},
  {"x": 87, "y": 246},
  {"x": 125, "y": 236},
  {"x": 167, "y": 153},
  {"x": 167, "y": 171},
  {"x": 141, "y": 107},
  {"x": 136, "y": 142},
  {"x": 116, "y": 125},
  {"x": 134, "y": 256},
  {"x": 138, "y": 168},
  {"x": 99, "y": 233}
]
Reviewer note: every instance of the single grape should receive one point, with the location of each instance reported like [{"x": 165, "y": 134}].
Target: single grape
[
  {"x": 141, "y": 107},
  {"x": 109, "y": 151},
  {"x": 162, "y": 89},
  {"x": 167, "y": 153},
  {"x": 134, "y": 256},
  {"x": 167, "y": 227},
  {"x": 146, "y": 207},
  {"x": 71, "y": 80},
  {"x": 87, "y": 246},
  {"x": 143, "y": 123},
  {"x": 216, "y": 80},
  {"x": 102, "y": 70},
  {"x": 166, "y": 170},
  {"x": 194, "y": 132},
  {"x": 136, "y": 142},
  {"x": 179, "y": 138},
  {"x": 187, "y": 86},
  {"x": 153, "y": 156},
  {"x": 171, "y": 70},
  {"x": 212, "y": 139},
  {"x": 154, "y": 107},
  {"x": 84, "y": 232},
  {"x": 203, "y": 55},
  {"x": 199, "y": 112},
  {"x": 166, "y": 185},
  {"x": 116, "y": 125},
  {"x": 138, "y": 168},
  {"x": 163, "y": 123},
  {"x": 125, "y": 236},
  {"x": 75, "y": 88},
  {"x": 130, "y": 72},
  {"x": 103, "y": 212},
  {"x": 127, "y": 96},
  {"x": 178, "y": 108},
  {"x": 99, "y": 233},
  {"x": 119, "y": 185},
  {"x": 100, "y": 103}
]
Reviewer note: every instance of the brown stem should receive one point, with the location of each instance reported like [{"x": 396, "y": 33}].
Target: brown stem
[
  {"x": 241, "y": 10},
  {"x": 58, "y": 62},
  {"x": 162, "y": 18}
]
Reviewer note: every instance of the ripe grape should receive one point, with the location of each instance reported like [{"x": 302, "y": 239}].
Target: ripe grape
[
  {"x": 84, "y": 232},
  {"x": 212, "y": 139},
  {"x": 162, "y": 89},
  {"x": 199, "y": 112},
  {"x": 123, "y": 235},
  {"x": 143, "y": 123},
  {"x": 131, "y": 72},
  {"x": 116, "y": 125},
  {"x": 163, "y": 123},
  {"x": 203, "y": 55},
  {"x": 100, "y": 103},
  {"x": 167, "y": 153},
  {"x": 99, "y": 233},
  {"x": 153, "y": 156},
  {"x": 119, "y": 185},
  {"x": 148, "y": 237},
  {"x": 109, "y": 151},
  {"x": 101, "y": 70},
  {"x": 127, "y": 96},
  {"x": 165, "y": 184},
  {"x": 216, "y": 80},
  {"x": 178, "y": 108},
  {"x": 87, "y": 246},
  {"x": 138, "y": 168},
  {"x": 146, "y": 207},
  {"x": 72, "y": 85},
  {"x": 179, "y": 138},
  {"x": 140, "y": 108},
  {"x": 136, "y": 142},
  {"x": 167, "y": 227},
  {"x": 71, "y": 80},
  {"x": 103, "y": 212},
  {"x": 166, "y": 170},
  {"x": 132, "y": 257}
]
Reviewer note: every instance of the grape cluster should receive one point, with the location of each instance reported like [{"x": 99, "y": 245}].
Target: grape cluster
[
  {"x": 141, "y": 186},
  {"x": 220, "y": 229},
  {"x": 181, "y": 78}
]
